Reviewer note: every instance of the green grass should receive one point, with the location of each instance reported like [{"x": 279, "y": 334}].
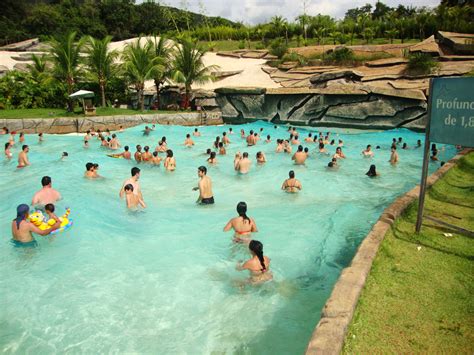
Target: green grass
[
  {"x": 57, "y": 112},
  {"x": 421, "y": 301},
  {"x": 229, "y": 45}
]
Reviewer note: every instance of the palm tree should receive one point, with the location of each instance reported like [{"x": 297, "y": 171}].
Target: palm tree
[
  {"x": 278, "y": 23},
  {"x": 162, "y": 51},
  {"x": 319, "y": 34},
  {"x": 391, "y": 34},
  {"x": 368, "y": 34},
  {"x": 100, "y": 62},
  {"x": 188, "y": 66},
  {"x": 38, "y": 69},
  {"x": 65, "y": 55},
  {"x": 140, "y": 64}
]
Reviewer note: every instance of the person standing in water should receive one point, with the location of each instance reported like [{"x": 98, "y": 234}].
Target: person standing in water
[
  {"x": 205, "y": 187},
  {"x": 188, "y": 142},
  {"x": 133, "y": 201},
  {"x": 299, "y": 157},
  {"x": 291, "y": 184},
  {"x": 170, "y": 161},
  {"x": 394, "y": 156},
  {"x": 22, "y": 228},
  {"x": 372, "y": 171},
  {"x": 47, "y": 194},
  {"x": 242, "y": 225},
  {"x": 23, "y": 157},
  {"x": 368, "y": 152},
  {"x": 243, "y": 164},
  {"x": 135, "y": 172},
  {"x": 138, "y": 154},
  {"x": 258, "y": 265},
  {"x": 8, "y": 153}
]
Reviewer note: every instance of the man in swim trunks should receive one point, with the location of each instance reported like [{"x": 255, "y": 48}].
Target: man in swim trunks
[
  {"x": 47, "y": 194},
  {"x": 291, "y": 184},
  {"x": 135, "y": 172},
  {"x": 23, "y": 157},
  {"x": 205, "y": 187},
  {"x": 22, "y": 229},
  {"x": 138, "y": 154},
  {"x": 243, "y": 164},
  {"x": 300, "y": 156}
]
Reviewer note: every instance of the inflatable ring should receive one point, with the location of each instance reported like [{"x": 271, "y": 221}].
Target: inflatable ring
[{"x": 40, "y": 221}]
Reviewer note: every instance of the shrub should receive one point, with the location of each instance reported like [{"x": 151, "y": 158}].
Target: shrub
[
  {"x": 242, "y": 44},
  {"x": 421, "y": 63},
  {"x": 295, "y": 57},
  {"x": 278, "y": 47},
  {"x": 260, "y": 45},
  {"x": 341, "y": 55}
]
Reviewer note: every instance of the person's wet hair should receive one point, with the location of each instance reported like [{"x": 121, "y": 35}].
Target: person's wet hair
[
  {"x": 128, "y": 187},
  {"x": 224, "y": 133},
  {"x": 221, "y": 145},
  {"x": 114, "y": 135},
  {"x": 126, "y": 148},
  {"x": 135, "y": 171},
  {"x": 139, "y": 147},
  {"x": 65, "y": 154},
  {"x": 332, "y": 142},
  {"x": 188, "y": 135},
  {"x": 268, "y": 137},
  {"x": 169, "y": 153},
  {"x": 257, "y": 248},
  {"x": 49, "y": 207},
  {"x": 306, "y": 149},
  {"x": 208, "y": 151},
  {"x": 309, "y": 134},
  {"x": 372, "y": 171},
  {"x": 321, "y": 145},
  {"x": 155, "y": 154},
  {"x": 368, "y": 146},
  {"x": 242, "y": 210},
  {"x": 146, "y": 149},
  {"x": 7, "y": 145},
  {"x": 213, "y": 155},
  {"x": 330, "y": 164},
  {"x": 96, "y": 166},
  {"x": 24, "y": 147},
  {"x": 300, "y": 148},
  {"x": 45, "y": 180},
  {"x": 245, "y": 155},
  {"x": 89, "y": 166},
  {"x": 291, "y": 174},
  {"x": 203, "y": 169},
  {"x": 195, "y": 129}
]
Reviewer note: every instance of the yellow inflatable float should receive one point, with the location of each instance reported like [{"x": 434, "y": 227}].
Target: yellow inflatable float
[{"x": 40, "y": 221}]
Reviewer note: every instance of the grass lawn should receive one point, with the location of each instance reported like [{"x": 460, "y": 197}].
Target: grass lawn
[
  {"x": 419, "y": 295},
  {"x": 57, "y": 112}
]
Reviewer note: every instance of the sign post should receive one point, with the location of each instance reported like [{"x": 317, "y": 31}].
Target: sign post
[{"x": 450, "y": 120}]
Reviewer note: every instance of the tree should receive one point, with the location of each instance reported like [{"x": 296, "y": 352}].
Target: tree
[
  {"x": 100, "y": 62},
  {"x": 278, "y": 23},
  {"x": 38, "y": 68},
  {"x": 161, "y": 51},
  {"x": 188, "y": 67},
  {"x": 368, "y": 34},
  {"x": 391, "y": 34},
  {"x": 140, "y": 64},
  {"x": 66, "y": 59}
]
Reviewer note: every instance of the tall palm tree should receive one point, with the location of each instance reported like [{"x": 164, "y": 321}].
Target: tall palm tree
[
  {"x": 140, "y": 64},
  {"x": 161, "y": 50},
  {"x": 278, "y": 24},
  {"x": 188, "y": 67},
  {"x": 66, "y": 59},
  {"x": 38, "y": 69},
  {"x": 100, "y": 61}
]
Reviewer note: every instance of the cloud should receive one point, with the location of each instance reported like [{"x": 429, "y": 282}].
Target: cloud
[{"x": 257, "y": 11}]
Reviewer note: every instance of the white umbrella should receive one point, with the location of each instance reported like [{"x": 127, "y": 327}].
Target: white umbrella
[{"x": 82, "y": 94}]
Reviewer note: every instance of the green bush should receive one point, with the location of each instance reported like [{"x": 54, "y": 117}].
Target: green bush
[
  {"x": 278, "y": 48},
  {"x": 341, "y": 55},
  {"x": 421, "y": 63},
  {"x": 260, "y": 45},
  {"x": 295, "y": 57},
  {"x": 242, "y": 44}
]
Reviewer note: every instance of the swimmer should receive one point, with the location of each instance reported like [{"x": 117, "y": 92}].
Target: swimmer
[
  {"x": 88, "y": 136},
  {"x": 205, "y": 187},
  {"x": 125, "y": 154},
  {"x": 434, "y": 155},
  {"x": 394, "y": 143},
  {"x": 287, "y": 147},
  {"x": 121, "y": 129},
  {"x": 242, "y": 134},
  {"x": 132, "y": 200},
  {"x": 237, "y": 158},
  {"x": 339, "y": 154},
  {"x": 114, "y": 142},
  {"x": 196, "y": 133},
  {"x": 291, "y": 184},
  {"x": 47, "y": 194},
  {"x": 299, "y": 157},
  {"x": 333, "y": 163},
  {"x": 321, "y": 148},
  {"x": 216, "y": 142},
  {"x": 400, "y": 140},
  {"x": 243, "y": 164},
  {"x": 404, "y": 146},
  {"x": 222, "y": 150},
  {"x": 22, "y": 228},
  {"x": 8, "y": 153},
  {"x": 250, "y": 139},
  {"x": 170, "y": 161},
  {"x": 146, "y": 131},
  {"x": 153, "y": 127},
  {"x": 155, "y": 160},
  {"x": 261, "y": 159},
  {"x": 86, "y": 144},
  {"x": 295, "y": 140},
  {"x": 208, "y": 151},
  {"x": 212, "y": 158},
  {"x": 95, "y": 169},
  {"x": 4, "y": 130},
  {"x": 394, "y": 156},
  {"x": 230, "y": 130},
  {"x": 280, "y": 146},
  {"x": 103, "y": 142},
  {"x": 309, "y": 139},
  {"x": 372, "y": 171},
  {"x": 64, "y": 156},
  {"x": 225, "y": 139},
  {"x": 188, "y": 142},
  {"x": 418, "y": 143},
  {"x": 340, "y": 143},
  {"x": 40, "y": 137},
  {"x": 23, "y": 157},
  {"x": 49, "y": 209},
  {"x": 242, "y": 225},
  {"x": 135, "y": 172},
  {"x": 11, "y": 140},
  {"x": 306, "y": 151},
  {"x": 146, "y": 155},
  {"x": 22, "y": 138},
  {"x": 367, "y": 152},
  {"x": 268, "y": 140},
  {"x": 332, "y": 142},
  {"x": 256, "y": 137},
  {"x": 89, "y": 171},
  {"x": 138, "y": 154},
  {"x": 161, "y": 147},
  {"x": 258, "y": 265}
]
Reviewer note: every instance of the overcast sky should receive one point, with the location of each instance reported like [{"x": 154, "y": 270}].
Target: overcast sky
[{"x": 256, "y": 11}]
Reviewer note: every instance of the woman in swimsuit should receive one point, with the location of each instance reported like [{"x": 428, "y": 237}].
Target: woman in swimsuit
[
  {"x": 8, "y": 154},
  {"x": 258, "y": 265},
  {"x": 242, "y": 225},
  {"x": 170, "y": 162}
]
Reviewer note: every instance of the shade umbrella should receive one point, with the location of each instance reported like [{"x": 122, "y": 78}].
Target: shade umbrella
[{"x": 82, "y": 94}]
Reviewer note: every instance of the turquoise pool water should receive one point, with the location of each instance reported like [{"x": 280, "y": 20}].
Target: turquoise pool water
[{"x": 164, "y": 280}]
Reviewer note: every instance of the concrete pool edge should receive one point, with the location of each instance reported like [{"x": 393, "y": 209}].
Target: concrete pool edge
[
  {"x": 329, "y": 335},
  {"x": 61, "y": 125}
]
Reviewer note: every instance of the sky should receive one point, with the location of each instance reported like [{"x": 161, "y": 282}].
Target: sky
[{"x": 257, "y": 11}]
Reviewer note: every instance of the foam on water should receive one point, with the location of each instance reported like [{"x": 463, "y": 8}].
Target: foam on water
[{"x": 164, "y": 280}]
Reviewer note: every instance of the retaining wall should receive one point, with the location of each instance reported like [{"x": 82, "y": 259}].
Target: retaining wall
[
  {"x": 82, "y": 124},
  {"x": 329, "y": 334}
]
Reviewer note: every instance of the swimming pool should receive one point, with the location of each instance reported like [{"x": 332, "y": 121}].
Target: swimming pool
[{"x": 164, "y": 280}]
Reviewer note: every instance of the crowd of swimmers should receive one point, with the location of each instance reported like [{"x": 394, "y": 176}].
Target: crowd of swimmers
[{"x": 242, "y": 225}]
